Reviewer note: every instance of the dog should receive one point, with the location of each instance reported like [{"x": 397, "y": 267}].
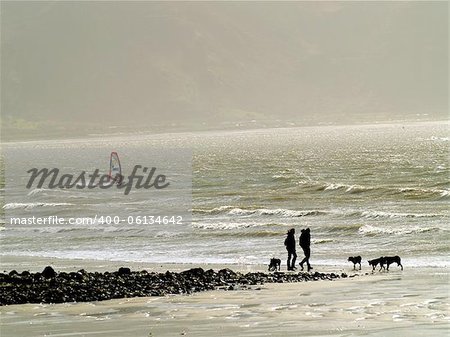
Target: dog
[
  {"x": 355, "y": 260},
  {"x": 374, "y": 263},
  {"x": 387, "y": 260},
  {"x": 274, "y": 264}
]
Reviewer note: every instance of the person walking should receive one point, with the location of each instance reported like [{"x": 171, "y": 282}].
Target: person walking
[
  {"x": 289, "y": 242},
  {"x": 305, "y": 243}
]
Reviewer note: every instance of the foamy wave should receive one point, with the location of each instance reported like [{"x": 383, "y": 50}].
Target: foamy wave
[
  {"x": 288, "y": 213},
  {"x": 372, "y": 230},
  {"x": 439, "y": 139},
  {"x": 18, "y": 205},
  {"x": 141, "y": 257},
  {"x": 381, "y": 214},
  {"x": 240, "y": 211},
  {"x": 331, "y": 187},
  {"x": 416, "y": 192},
  {"x": 236, "y": 211},
  {"x": 445, "y": 193},
  {"x": 346, "y": 188},
  {"x": 269, "y": 212},
  {"x": 225, "y": 225},
  {"x": 320, "y": 241},
  {"x": 424, "y": 192},
  {"x": 222, "y": 231},
  {"x": 37, "y": 191},
  {"x": 216, "y": 210},
  {"x": 280, "y": 177}
]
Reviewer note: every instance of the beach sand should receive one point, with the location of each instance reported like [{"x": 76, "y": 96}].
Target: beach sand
[{"x": 413, "y": 302}]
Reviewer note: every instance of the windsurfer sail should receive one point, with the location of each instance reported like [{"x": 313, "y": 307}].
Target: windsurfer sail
[{"x": 115, "y": 170}]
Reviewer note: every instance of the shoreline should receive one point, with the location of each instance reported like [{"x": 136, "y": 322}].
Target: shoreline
[
  {"x": 37, "y": 264},
  {"x": 413, "y": 302},
  {"x": 51, "y": 287},
  {"x": 40, "y": 138}
]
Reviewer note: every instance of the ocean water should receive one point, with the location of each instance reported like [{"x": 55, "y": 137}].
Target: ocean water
[{"x": 368, "y": 190}]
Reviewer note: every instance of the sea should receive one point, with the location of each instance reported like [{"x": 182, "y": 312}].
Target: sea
[{"x": 368, "y": 190}]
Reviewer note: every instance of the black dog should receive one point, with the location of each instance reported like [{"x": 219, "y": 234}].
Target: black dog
[
  {"x": 355, "y": 260},
  {"x": 274, "y": 264},
  {"x": 374, "y": 263},
  {"x": 387, "y": 260}
]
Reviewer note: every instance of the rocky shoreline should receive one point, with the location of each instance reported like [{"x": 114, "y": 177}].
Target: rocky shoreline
[{"x": 82, "y": 286}]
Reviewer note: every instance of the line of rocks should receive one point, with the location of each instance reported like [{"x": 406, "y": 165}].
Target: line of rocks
[{"x": 82, "y": 286}]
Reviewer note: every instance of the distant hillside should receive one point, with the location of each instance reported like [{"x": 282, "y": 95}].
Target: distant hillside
[{"x": 208, "y": 65}]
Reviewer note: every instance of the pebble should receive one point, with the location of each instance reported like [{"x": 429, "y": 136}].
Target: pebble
[{"x": 82, "y": 286}]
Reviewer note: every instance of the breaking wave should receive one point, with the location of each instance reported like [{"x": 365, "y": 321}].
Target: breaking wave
[
  {"x": 415, "y": 192},
  {"x": 391, "y": 215},
  {"x": 30, "y": 205},
  {"x": 288, "y": 213},
  {"x": 260, "y": 233},
  {"x": 216, "y": 210},
  {"x": 346, "y": 188},
  {"x": 439, "y": 139},
  {"x": 321, "y": 241},
  {"x": 226, "y": 225},
  {"x": 37, "y": 191},
  {"x": 401, "y": 230},
  {"x": 236, "y": 211}
]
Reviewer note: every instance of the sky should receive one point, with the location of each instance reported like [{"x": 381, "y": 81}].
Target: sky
[{"x": 192, "y": 65}]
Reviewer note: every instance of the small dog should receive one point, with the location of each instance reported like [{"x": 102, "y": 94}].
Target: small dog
[
  {"x": 274, "y": 264},
  {"x": 374, "y": 263},
  {"x": 387, "y": 260},
  {"x": 355, "y": 260}
]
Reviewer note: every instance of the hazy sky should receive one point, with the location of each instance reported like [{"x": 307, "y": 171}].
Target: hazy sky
[{"x": 137, "y": 63}]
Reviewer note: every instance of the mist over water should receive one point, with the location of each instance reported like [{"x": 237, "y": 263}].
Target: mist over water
[
  {"x": 363, "y": 190},
  {"x": 187, "y": 66}
]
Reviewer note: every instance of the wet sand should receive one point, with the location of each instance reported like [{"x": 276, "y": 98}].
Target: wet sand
[
  {"x": 37, "y": 264},
  {"x": 413, "y": 302}
]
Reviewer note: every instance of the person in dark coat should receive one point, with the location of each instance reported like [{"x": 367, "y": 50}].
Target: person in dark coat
[
  {"x": 290, "y": 247},
  {"x": 305, "y": 243}
]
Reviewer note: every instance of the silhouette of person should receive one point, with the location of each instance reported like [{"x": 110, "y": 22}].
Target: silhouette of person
[
  {"x": 305, "y": 243},
  {"x": 289, "y": 242}
]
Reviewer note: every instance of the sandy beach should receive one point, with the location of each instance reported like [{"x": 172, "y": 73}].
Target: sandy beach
[
  {"x": 156, "y": 156},
  {"x": 412, "y": 302}
]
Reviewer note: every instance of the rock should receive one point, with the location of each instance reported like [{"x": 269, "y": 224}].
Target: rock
[
  {"x": 124, "y": 271},
  {"x": 48, "y": 272},
  {"x": 75, "y": 276},
  {"x": 50, "y": 287},
  {"x": 13, "y": 273},
  {"x": 227, "y": 273},
  {"x": 194, "y": 271}
]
